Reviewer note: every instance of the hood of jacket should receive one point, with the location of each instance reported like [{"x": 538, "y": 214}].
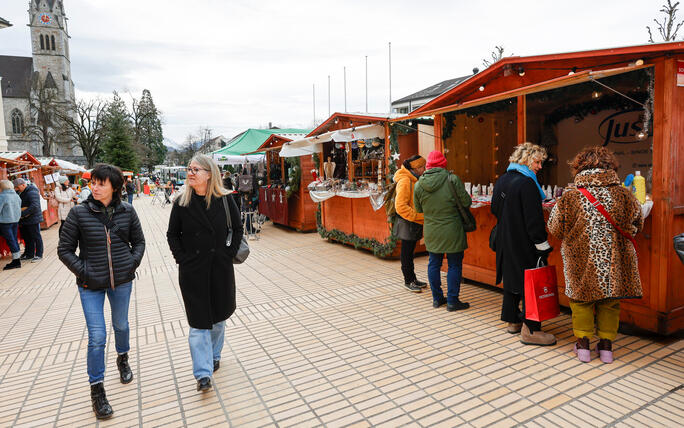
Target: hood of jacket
[
  {"x": 433, "y": 179},
  {"x": 404, "y": 173},
  {"x": 597, "y": 178}
]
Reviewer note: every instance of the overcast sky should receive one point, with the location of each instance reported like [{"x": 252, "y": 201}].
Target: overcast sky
[{"x": 232, "y": 65}]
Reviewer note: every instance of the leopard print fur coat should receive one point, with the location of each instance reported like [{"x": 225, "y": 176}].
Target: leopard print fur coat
[{"x": 598, "y": 262}]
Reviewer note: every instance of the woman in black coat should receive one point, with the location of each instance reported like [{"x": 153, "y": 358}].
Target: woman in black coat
[
  {"x": 520, "y": 237},
  {"x": 197, "y": 236}
]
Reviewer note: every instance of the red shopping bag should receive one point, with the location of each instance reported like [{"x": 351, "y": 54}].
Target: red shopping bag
[{"x": 541, "y": 293}]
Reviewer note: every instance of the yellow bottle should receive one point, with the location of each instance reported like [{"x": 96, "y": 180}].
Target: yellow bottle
[{"x": 639, "y": 187}]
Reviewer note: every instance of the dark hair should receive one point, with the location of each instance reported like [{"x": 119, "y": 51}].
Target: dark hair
[
  {"x": 407, "y": 162},
  {"x": 593, "y": 157},
  {"x": 103, "y": 172}
]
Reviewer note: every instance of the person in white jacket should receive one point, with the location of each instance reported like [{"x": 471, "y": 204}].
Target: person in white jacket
[{"x": 66, "y": 196}]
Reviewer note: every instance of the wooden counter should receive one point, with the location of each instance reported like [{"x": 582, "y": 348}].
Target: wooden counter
[{"x": 479, "y": 264}]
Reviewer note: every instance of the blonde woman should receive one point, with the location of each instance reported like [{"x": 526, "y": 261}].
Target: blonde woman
[
  {"x": 520, "y": 237},
  {"x": 197, "y": 237}
]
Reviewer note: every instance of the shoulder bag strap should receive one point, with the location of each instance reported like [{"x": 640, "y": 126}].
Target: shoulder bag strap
[
  {"x": 225, "y": 207},
  {"x": 112, "y": 227},
  {"x": 453, "y": 192},
  {"x": 597, "y": 204}
]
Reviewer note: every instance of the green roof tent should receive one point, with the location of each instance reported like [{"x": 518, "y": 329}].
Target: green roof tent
[{"x": 247, "y": 142}]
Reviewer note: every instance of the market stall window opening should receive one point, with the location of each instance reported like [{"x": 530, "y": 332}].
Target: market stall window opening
[{"x": 567, "y": 119}]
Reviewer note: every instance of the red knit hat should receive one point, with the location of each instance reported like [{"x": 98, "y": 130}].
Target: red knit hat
[{"x": 436, "y": 160}]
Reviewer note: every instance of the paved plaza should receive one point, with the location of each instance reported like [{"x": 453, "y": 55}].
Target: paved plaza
[{"x": 324, "y": 335}]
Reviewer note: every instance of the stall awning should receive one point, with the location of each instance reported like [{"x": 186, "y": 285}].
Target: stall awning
[
  {"x": 559, "y": 82},
  {"x": 65, "y": 166},
  {"x": 309, "y": 145}
]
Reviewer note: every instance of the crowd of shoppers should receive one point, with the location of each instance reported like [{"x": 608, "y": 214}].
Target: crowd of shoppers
[{"x": 102, "y": 243}]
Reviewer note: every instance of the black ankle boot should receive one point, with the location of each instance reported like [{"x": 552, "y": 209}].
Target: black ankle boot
[
  {"x": 101, "y": 406},
  {"x": 124, "y": 369},
  {"x": 14, "y": 264}
]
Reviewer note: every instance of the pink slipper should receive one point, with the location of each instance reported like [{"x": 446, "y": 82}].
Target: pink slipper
[
  {"x": 582, "y": 351},
  {"x": 605, "y": 350}
]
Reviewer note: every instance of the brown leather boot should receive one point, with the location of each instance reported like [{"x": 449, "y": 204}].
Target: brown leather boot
[
  {"x": 514, "y": 328},
  {"x": 536, "y": 338}
]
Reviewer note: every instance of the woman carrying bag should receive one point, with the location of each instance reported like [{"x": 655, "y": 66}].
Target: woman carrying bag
[
  {"x": 520, "y": 238},
  {"x": 66, "y": 197},
  {"x": 197, "y": 235},
  {"x": 408, "y": 225},
  {"x": 597, "y": 222},
  {"x": 436, "y": 195}
]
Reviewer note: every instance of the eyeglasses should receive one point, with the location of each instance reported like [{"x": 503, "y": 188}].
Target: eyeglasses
[{"x": 194, "y": 171}]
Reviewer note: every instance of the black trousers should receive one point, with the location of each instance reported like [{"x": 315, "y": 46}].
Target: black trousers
[
  {"x": 510, "y": 311},
  {"x": 407, "y": 267},
  {"x": 33, "y": 242}
]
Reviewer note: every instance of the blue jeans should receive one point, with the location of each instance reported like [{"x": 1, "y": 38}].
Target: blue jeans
[
  {"x": 454, "y": 272},
  {"x": 130, "y": 198},
  {"x": 205, "y": 348},
  {"x": 92, "y": 302},
  {"x": 9, "y": 232}
]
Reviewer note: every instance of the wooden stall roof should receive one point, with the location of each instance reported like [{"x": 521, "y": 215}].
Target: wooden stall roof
[
  {"x": 520, "y": 72},
  {"x": 21, "y": 156},
  {"x": 355, "y": 118},
  {"x": 273, "y": 142}
]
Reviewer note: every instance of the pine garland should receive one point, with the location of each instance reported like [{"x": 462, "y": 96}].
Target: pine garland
[
  {"x": 379, "y": 249},
  {"x": 294, "y": 176}
]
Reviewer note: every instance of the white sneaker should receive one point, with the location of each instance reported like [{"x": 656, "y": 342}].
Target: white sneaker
[{"x": 36, "y": 259}]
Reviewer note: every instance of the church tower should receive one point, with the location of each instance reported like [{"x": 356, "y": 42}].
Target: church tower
[{"x": 50, "y": 47}]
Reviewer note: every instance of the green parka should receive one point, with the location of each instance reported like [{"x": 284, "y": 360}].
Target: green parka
[{"x": 443, "y": 229}]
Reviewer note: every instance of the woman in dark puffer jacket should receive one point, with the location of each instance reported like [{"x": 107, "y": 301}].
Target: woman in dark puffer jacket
[{"x": 111, "y": 244}]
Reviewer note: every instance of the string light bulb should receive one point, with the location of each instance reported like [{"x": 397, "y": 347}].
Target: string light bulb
[
  {"x": 639, "y": 62},
  {"x": 521, "y": 71},
  {"x": 596, "y": 95},
  {"x": 482, "y": 88},
  {"x": 572, "y": 71},
  {"x": 641, "y": 135}
]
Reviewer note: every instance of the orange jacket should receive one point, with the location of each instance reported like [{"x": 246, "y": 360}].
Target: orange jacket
[{"x": 403, "y": 201}]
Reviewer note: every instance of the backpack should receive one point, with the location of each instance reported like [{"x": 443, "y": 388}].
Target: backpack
[
  {"x": 245, "y": 183},
  {"x": 390, "y": 196}
]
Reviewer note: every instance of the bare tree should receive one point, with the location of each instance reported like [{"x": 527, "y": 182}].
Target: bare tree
[
  {"x": 496, "y": 55},
  {"x": 46, "y": 111},
  {"x": 85, "y": 127},
  {"x": 667, "y": 29}
]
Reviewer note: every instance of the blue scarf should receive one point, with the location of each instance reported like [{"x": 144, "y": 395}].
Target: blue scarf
[{"x": 526, "y": 171}]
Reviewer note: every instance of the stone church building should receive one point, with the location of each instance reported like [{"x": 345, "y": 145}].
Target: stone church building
[{"x": 49, "y": 68}]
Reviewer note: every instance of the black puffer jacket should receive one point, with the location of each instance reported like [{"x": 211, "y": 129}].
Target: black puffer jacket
[{"x": 92, "y": 265}]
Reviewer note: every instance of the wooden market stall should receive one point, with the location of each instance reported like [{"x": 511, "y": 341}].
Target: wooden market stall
[
  {"x": 628, "y": 99},
  {"x": 40, "y": 175},
  {"x": 351, "y": 153},
  {"x": 285, "y": 197}
]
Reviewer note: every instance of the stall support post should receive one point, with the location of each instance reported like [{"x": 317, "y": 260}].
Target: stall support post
[
  {"x": 350, "y": 164},
  {"x": 388, "y": 155},
  {"x": 522, "y": 119},
  {"x": 662, "y": 214},
  {"x": 282, "y": 169},
  {"x": 439, "y": 143},
  {"x": 268, "y": 167}
]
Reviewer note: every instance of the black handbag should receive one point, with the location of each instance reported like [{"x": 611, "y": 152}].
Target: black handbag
[
  {"x": 407, "y": 230},
  {"x": 243, "y": 250},
  {"x": 492, "y": 238},
  {"x": 467, "y": 217}
]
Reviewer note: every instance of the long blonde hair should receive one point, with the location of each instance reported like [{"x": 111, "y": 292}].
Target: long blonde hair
[
  {"x": 214, "y": 185},
  {"x": 526, "y": 153}
]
